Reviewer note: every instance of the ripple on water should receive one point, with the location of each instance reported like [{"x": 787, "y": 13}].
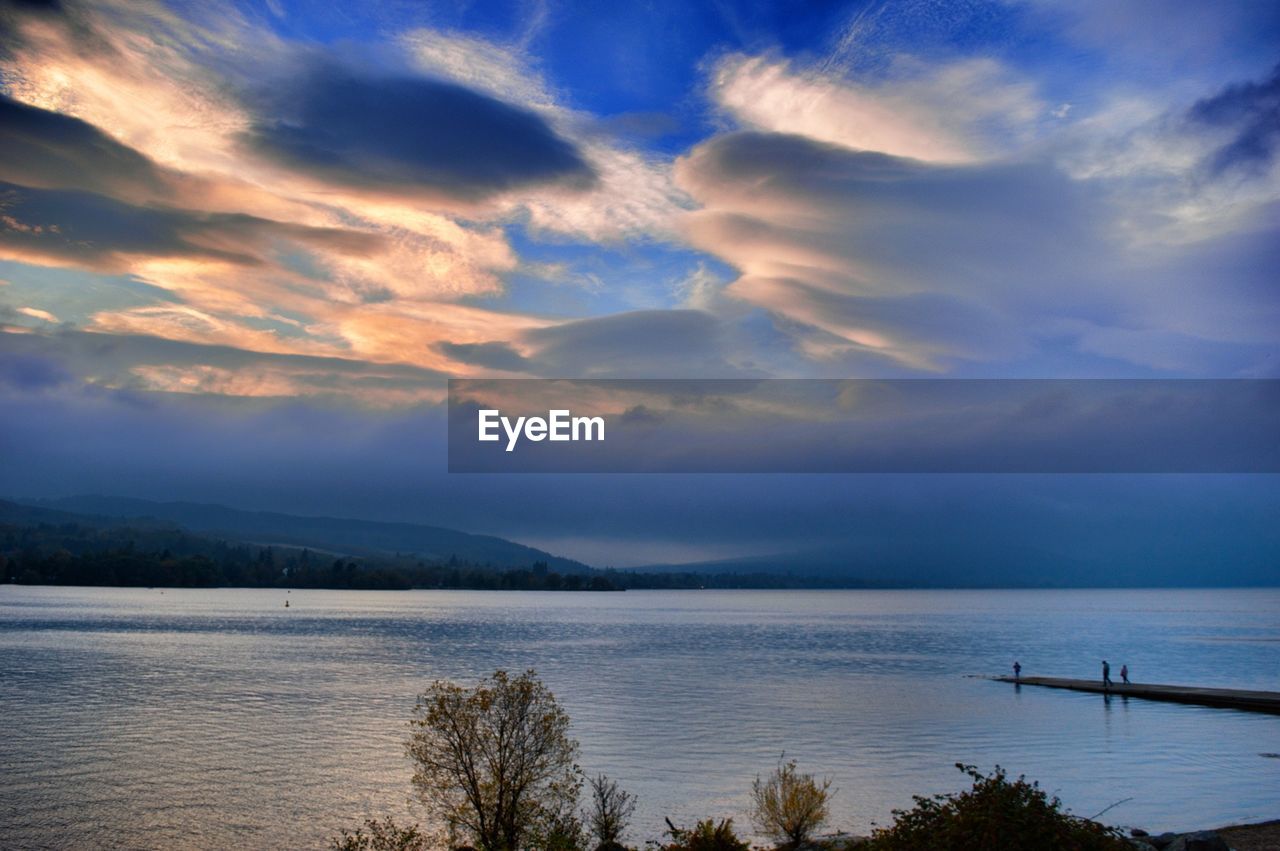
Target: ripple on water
[{"x": 215, "y": 718}]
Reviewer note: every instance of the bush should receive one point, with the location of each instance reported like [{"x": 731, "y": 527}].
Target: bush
[
  {"x": 706, "y": 835},
  {"x": 789, "y": 806},
  {"x": 380, "y": 836},
  {"x": 996, "y": 813}
]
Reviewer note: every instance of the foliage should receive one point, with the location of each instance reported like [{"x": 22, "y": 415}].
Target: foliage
[
  {"x": 382, "y": 835},
  {"x": 789, "y": 806},
  {"x": 611, "y": 810},
  {"x": 996, "y": 813},
  {"x": 495, "y": 763},
  {"x": 706, "y": 835},
  {"x": 562, "y": 831}
]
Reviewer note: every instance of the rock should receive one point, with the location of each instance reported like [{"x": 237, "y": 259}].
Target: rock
[
  {"x": 1140, "y": 845},
  {"x": 1138, "y": 832},
  {"x": 1163, "y": 841},
  {"x": 611, "y": 846},
  {"x": 1205, "y": 840}
]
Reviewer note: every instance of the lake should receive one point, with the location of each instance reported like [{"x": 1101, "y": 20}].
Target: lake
[{"x": 141, "y": 718}]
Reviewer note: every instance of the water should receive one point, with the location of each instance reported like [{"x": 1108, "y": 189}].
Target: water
[{"x": 217, "y": 718}]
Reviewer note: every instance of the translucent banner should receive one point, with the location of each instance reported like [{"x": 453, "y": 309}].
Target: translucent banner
[{"x": 864, "y": 426}]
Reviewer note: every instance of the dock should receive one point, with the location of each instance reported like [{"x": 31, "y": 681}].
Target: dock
[{"x": 1252, "y": 701}]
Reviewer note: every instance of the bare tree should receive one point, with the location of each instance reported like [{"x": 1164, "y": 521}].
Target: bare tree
[
  {"x": 789, "y": 806},
  {"x": 495, "y": 763},
  {"x": 611, "y": 810}
]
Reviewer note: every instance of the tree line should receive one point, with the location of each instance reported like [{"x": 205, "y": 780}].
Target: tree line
[
  {"x": 169, "y": 556},
  {"x": 142, "y": 556}
]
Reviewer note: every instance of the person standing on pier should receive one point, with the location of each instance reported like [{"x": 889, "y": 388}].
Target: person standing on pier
[
  {"x": 1124, "y": 674},
  {"x": 1106, "y": 675},
  {"x": 1017, "y": 670}
]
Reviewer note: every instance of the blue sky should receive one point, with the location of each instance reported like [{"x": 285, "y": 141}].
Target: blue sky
[{"x": 328, "y": 209}]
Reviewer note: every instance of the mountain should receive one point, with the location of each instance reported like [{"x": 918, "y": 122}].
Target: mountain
[
  {"x": 22, "y": 514},
  {"x": 341, "y": 535}
]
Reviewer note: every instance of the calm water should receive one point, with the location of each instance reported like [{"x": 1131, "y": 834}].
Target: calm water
[{"x": 217, "y": 718}]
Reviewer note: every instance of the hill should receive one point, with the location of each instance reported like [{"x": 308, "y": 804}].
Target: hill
[{"x": 334, "y": 534}]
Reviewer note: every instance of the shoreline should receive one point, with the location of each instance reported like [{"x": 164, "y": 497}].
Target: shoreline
[
  {"x": 1257, "y": 836},
  {"x": 1251, "y": 836}
]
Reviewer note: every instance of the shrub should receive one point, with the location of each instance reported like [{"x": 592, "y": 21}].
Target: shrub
[
  {"x": 789, "y": 806},
  {"x": 706, "y": 835},
  {"x": 382, "y": 835},
  {"x": 996, "y": 813}
]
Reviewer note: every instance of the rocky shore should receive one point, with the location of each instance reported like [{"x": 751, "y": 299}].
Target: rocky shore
[{"x": 1263, "y": 836}]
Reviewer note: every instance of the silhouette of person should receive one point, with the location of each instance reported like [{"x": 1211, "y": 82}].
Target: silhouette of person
[
  {"x": 1017, "y": 670},
  {"x": 1106, "y": 674},
  {"x": 1124, "y": 674}
]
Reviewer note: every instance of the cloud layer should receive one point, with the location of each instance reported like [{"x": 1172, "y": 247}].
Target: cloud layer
[{"x": 410, "y": 195}]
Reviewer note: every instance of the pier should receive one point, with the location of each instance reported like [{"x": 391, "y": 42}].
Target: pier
[{"x": 1253, "y": 701}]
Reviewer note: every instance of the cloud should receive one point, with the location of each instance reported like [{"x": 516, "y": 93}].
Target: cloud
[
  {"x": 136, "y": 358},
  {"x": 47, "y": 150},
  {"x": 413, "y": 332},
  {"x": 1173, "y": 37},
  {"x": 390, "y": 202},
  {"x": 631, "y": 195},
  {"x": 930, "y": 266},
  {"x": 96, "y": 232},
  {"x": 25, "y": 373},
  {"x": 1186, "y": 171},
  {"x": 959, "y": 112},
  {"x": 409, "y": 136},
  {"x": 170, "y": 197},
  {"x": 493, "y": 356},
  {"x": 918, "y": 330},
  {"x": 37, "y": 313},
  {"x": 914, "y": 263},
  {"x": 1251, "y": 113},
  {"x": 638, "y": 344},
  {"x": 295, "y": 198}
]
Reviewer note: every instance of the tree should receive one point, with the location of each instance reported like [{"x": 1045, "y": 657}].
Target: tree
[
  {"x": 495, "y": 762},
  {"x": 789, "y": 806},
  {"x": 611, "y": 810}
]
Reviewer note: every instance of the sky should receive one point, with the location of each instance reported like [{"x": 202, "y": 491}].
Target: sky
[{"x": 243, "y": 244}]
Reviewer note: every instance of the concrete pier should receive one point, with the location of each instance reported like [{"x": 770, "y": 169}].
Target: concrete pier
[{"x": 1253, "y": 701}]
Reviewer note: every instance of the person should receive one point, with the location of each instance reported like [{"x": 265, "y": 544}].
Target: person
[
  {"x": 1106, "y": 674},
  {"x": 1017, "y": 670},
  {"x": 1124, "y": 674}
]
